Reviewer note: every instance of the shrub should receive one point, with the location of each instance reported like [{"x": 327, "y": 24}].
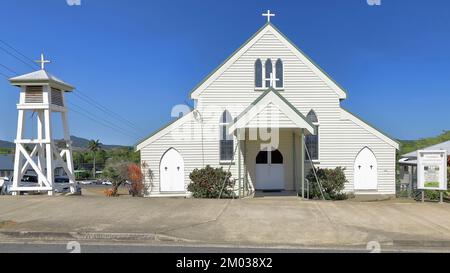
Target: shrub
[
  {"x": 136, "y": 177},
  {"x": 448, "y": 178},
  {"x": 208, "y": 182},
  {"x": 332, "y": 181}
]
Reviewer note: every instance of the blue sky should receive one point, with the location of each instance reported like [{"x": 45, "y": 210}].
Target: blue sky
[{"x": 139, "y": 58}]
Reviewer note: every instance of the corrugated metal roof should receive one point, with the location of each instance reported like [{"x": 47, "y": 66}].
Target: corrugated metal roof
[
  {"x": 441, "y": 146},
  {"x": 6, "y": 162},
  {"x": 39, "y": 76}
]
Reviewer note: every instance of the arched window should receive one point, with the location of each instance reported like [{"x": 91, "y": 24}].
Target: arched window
[
  {"x": 269, "y": 70},
  {"x": 226, "y": 139},
  {"x": 279, "y": 73},
  {"x": 258, "y": 74},
  {"x": 312, "y": 141},
  {"x": 276, "y": 157}
]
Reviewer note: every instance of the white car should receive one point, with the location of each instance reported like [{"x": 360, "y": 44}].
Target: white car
[
  {"x": 61, "y": 184},
  {"x": 86, "y": 182},
  {"x": 2, "y": 180},
  {"x": 27, "y": 181},
  {"x": 109, "y": 183}
]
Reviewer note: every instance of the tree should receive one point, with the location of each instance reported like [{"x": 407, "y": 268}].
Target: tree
[
  {"x": 94, "y": 146},
  {"x": 117, "y": 173}
]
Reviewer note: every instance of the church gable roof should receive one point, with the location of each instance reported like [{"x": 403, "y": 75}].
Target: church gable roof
[{"x": 267, "y": 28}]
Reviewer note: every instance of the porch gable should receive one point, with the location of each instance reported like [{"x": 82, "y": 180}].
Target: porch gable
[{"x": 271, "y": 110}]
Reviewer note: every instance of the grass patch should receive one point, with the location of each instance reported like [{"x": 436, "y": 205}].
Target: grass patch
[{"x": 7, "y": 224}]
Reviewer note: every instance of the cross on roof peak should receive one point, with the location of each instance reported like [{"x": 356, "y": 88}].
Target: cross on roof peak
[
  {"x": 43, "y": 61},
  {"x": 268, "y": 15}
]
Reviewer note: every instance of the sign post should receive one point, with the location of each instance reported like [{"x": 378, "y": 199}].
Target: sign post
[{"x": 432, "y": 171}]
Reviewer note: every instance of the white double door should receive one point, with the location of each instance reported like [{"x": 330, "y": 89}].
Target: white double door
[
  {"x": 171, "y": 171},
  {"x": 269, "y": 170}
]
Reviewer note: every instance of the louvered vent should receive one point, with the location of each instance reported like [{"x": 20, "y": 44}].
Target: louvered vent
[
  {"x": 57, "y": 98},
  {"x": 33, "y": 94}
]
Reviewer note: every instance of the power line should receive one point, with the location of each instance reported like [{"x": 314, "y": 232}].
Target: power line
[
  {"x": 9, "y": 69},
  {"x": 81, "y": 95},
  {"x": 110, "y": 124},
  {"x": 104, "y": 123},
  {"x": 2, "y": 48},
  {"x": 96, "y": 121},
  {"x": 104, "y": 109},
  {"x": 4, "y": 75},
  {"x": 18, "y": 52},
  {"x": 91, "y": 101}
]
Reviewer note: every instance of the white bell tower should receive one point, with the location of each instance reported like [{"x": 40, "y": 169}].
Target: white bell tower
[{"x": 42, "y": 94}]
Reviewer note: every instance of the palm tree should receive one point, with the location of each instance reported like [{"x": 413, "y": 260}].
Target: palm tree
[{"x": 94, "y": 146}]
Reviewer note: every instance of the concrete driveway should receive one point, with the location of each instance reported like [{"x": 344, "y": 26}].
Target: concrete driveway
[{"x": 277, "y": 221}]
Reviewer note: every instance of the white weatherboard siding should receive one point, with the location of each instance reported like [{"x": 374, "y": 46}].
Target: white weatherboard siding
[
  {"x": 232, "y": 87},
  {"x": 177, "y": 139},
  {"x": 341, "y": 146},
  {"x": 186, "y": 139}
]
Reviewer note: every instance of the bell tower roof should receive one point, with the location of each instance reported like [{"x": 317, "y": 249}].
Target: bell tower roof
[{"x": 41, "y": 77}]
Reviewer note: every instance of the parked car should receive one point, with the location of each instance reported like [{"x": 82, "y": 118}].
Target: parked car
[
  {"x": 109, "y": 183},
  {"x": 86, "y": 182},
  {"x": 2, "y": 181},
  {"x": 98, "y": 182},
  {"x": 61, "y": 184},
  {"x": 28, "y": 180}
]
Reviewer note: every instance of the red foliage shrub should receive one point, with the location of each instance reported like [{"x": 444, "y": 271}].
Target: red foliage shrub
[{"x": 136, "y": 178}]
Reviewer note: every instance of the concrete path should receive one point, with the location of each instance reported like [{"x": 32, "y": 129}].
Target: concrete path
[{"x": 278, "y": 221}]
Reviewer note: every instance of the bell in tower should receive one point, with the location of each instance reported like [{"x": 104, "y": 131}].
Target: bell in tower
[{"x": 41, "y": 94}]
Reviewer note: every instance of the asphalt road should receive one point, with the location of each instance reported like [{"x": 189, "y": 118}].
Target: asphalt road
[{"x": 15, "y": 247}]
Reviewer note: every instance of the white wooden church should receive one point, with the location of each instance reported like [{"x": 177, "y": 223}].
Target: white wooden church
[{"x": 267, "y": 114}]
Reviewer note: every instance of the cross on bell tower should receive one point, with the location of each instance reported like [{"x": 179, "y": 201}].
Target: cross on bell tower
[
  {"x": 43, "y": 94},
  {"x": 43, "y": 61}
]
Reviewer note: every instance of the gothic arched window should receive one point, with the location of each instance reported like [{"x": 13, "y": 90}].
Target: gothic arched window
[
  {"x": 312, "y": 141},
  {"x": 279, "y": 73},
  {"x": 258, "y": 74},
  {"x": 226, "y": 139}
]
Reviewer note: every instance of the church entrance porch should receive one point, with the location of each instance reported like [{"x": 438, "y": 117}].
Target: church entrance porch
[{"x": 271, "y": 170}]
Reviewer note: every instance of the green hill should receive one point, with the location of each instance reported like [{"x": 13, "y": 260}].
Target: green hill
[
  {"x": 78, "y": 143},
  {"x": 413, "y": 145}
]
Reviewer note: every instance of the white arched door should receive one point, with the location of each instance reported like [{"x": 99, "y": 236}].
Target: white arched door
[
  {"x": 366, "y": 170},
  {"x": 171, "y": 172},
  {"x": 269, "y": 170}
]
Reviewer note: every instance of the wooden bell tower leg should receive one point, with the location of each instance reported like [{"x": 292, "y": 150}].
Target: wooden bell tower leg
[
  {"x": 68, "y": 153},
  {"x": 49, "y": 149},
  {"x": 18, "y": 156},
  {"x": 40, "y": 146}
]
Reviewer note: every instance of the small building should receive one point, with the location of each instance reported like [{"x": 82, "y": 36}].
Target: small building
[
  {"x": 6, "y": 165},
  {"x": 408, "y": 165}
]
